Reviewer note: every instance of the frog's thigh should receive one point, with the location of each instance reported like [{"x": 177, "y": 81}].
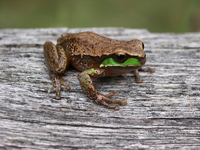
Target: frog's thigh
[
  {"x": 55, "y": 57},
  {"x": 56, "y": 61}
]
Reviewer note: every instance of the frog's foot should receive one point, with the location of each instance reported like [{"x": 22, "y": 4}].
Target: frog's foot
[
  {"x": 57, "y": 81},
  {"x": 106, "y": 100},
  {"x": 151, "y": 70},
  {"x": 63, "y": 83},
  {"x": 137, "y": 76},
  {"x": 56, "y": 85}
]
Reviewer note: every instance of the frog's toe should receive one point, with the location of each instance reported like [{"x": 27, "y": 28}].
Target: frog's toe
[
  {"x": 151, "y": 70},
  {"x": 115, "y": 101},
  {"x": 57, "y": 90},
  {"x": 115, "y": 107},
  {"x": 63, "y": 83},
  {"x": 107, "y": 102},
  {"x": 123, "y": 102},
  {"x": 57, "y": 97},
  {"x": 66, "y": 85},
  {"x": 138, "y": 80},
  {"x": 111, "y": 94}
]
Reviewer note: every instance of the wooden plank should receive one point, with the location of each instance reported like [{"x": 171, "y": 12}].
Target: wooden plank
[{"x": 162, "y": 112}]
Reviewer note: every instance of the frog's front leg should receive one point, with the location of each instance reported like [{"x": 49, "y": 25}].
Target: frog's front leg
[
  {"x": 137, "y": 76},
  {"x": 57, "y": 62},
  {"x": 87, "y": 85}
]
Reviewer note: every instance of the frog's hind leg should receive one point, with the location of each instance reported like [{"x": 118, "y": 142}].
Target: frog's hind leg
[
  {"x": 57, "y": 63},
  {"x": 55, "y": 57}
]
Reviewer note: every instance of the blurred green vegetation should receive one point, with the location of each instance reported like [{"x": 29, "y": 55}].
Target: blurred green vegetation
[{"x": 154, "y": 15}]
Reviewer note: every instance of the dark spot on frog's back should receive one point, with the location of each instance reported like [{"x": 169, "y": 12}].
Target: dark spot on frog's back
[
  {"x": 79, "y": 39},
  {"x": 96, "y": 43},
  {"x": 134, "y": 45},
  {"x": 85, "y": 41},
  {"x": 108, "y": 40}
]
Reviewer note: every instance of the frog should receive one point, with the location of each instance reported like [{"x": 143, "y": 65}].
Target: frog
[{"x": 95, "y": 56}]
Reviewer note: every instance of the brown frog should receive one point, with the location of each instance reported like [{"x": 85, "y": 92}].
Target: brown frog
[{"x": 96, "y": 57}]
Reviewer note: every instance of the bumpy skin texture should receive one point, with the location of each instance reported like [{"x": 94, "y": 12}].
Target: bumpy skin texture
[
  {"x": 85, "y": 52},
  {"x": 92, "y": 44}
]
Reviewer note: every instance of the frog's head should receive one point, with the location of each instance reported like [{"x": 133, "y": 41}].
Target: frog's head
[{"x": 126, "y": 58}]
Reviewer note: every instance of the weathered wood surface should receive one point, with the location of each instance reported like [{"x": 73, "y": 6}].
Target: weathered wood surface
[{"x": 163, "y": 112}]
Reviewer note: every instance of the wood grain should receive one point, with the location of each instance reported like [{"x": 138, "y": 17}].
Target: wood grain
[{"x": 163, "y": 112}]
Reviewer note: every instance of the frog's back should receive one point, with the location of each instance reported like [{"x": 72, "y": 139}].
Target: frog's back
[{"x": 92, "y": 44}]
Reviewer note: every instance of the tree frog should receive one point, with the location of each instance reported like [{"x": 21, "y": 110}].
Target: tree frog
[{"x": 96, "y": 57}]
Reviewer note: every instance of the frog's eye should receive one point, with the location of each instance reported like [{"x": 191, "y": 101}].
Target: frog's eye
[
  {"x": 142, "y": 45},
  {"x": 120, "y": 57}
]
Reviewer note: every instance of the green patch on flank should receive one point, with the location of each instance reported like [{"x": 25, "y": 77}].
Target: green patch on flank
[
  {"x": 75, "y": 48},
  {"x": 128, "y": 62}
]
